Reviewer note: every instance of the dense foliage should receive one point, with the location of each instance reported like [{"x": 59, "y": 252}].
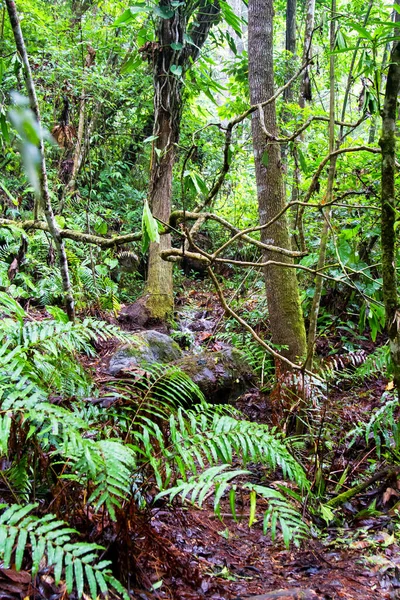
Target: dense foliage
[{"x": 77, "y": 450}]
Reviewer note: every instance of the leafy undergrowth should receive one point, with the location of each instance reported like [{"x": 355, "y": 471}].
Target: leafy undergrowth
[
  {"x": 249, "y": 496},
  {"x": 187, "y": 553}
]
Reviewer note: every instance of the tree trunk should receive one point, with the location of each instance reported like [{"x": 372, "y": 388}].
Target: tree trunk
[
  {"x": 389, "y": 209},
  {"x": 44, "y": 199},
  {"x": 169, "y": 66},
  {"x": 167, "y": 116},
  {"x": 290, "y": 46},
  {"x": 305, "y": 87},
  {"x": 284, "y": 307}
]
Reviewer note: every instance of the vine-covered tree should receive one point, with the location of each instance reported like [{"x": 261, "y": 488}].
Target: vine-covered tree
[{"x": 182, "y": 30}]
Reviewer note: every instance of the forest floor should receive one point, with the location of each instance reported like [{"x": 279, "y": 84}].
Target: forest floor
[
  {"x": 196, "y": 555},
  {"x": 189, "y": 553}
]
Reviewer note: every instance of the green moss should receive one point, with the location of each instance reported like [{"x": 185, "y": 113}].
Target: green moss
[{"x": 160, "y": 306}]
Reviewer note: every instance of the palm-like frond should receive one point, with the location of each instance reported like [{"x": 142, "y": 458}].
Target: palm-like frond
[
  {"x": 198, "y": 438},
  {"x": 53, "y": 539}
]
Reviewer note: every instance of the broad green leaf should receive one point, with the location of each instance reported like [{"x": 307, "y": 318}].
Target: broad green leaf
[
  {"x": 79, "y": 581},
  {"x": 232, "y": 502},
  {"x": 303, "y": 162},
  {"x": 91, "y": 580},
  {"x": 101, "y": 227},
  {"x": 149, "y": 228},
  {"x": 231, "y": 18},
  {"x": 151, "y": 138},
  {"x": 38, "y": 554},
  {"x": 117, "y": 586},
  {"x": 69, "y": 577},
  {"x": 264, "y": 158},
  {"x": 19, "y": 553},
  {"x": 4, "y": 128},
  {"x": 364, "y": 33},
  {"x": 101, "y": 581},
  {"x": 130, "y": 14},
  {"x": 131, "y": 64},
  {"x": 163, "y": 13},
  {"x": 176, "y": 70}
]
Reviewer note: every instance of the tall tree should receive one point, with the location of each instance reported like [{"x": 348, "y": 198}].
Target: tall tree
[
  {"x": 305, "y": 87},
  {"x": 389, "y": 207},
  {"x": 290, "y": 45},
  {"x": 284, "y": 306},
  {"x": 181, "y": 33},
  {"x": 43, "y": 195}
]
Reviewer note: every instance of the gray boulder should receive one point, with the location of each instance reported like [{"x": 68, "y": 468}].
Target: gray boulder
[
  {"x": 147, "y": 347},
  {"x": 222, "y": 376}
]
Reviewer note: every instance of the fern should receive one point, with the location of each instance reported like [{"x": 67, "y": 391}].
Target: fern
[
  {"x": 210, "y": 438},
  {"x": 365, "y": 367},
  {"x": 107, "y": 465},
  {"x": 203, "y": 446},
  {"x": 219, "y": 480},
  {"x": 382, "y": 428},
  {"x": 259, "y": 360},
  {"x": 19, "y": 479},
  {"x": 164, "y": 437},
  {"x": 168, "y": 386},
  {"x": 46, "y": 350},
  {"x": 52, "y": 539},
  {"x": 35, "y": 354}
]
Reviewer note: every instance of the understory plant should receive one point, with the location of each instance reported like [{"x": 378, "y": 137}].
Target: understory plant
[{"x": 64, "y": 438}]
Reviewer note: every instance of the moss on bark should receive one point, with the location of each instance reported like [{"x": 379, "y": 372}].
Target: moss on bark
[{"x": 389, "y": 209}]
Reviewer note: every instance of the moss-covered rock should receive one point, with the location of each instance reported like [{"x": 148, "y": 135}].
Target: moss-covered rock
[
  {"x": 147, "y": 347},
  {"x": 221, "y": 376}
]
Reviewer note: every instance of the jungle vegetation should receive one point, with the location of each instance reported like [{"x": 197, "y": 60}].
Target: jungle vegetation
[{"x": 147, "y": 147}]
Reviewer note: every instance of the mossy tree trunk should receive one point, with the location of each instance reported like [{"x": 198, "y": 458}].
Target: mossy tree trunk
[
  {"x": 284, "y": 306},
  {"x": 172, "y": 55},
  {"x": 389, "y": 209}
]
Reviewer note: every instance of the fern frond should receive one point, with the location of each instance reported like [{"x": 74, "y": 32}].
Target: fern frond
[
  {"x": 223, "y": 482},
  {"x": 171, "y": 385},
  {"x": 106, "y": 465},
  {"x": 383, "y": 425},
  {"x": 221, "y": 438},
  {"x": 52, "y": 539},
  {"x": 18, "y": 478}
]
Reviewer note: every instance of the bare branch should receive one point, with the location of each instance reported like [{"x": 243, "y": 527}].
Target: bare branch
[
  {"x": 179, "y": 215},
  {"x": 77, "y": 236},
  {"x": 248, "y": 328}
]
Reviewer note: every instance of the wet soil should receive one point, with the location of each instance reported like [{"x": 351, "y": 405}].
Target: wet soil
[
  {"x": 226, "y": 560},
  {"x": 182, "y": 552}
]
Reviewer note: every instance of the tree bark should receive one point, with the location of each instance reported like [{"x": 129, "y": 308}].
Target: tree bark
[
  {"x": 290, "y": 46},
  {"x": 284, "y": 307},
  {"x": 389, "y": 209},
  {"x": 169, "y": 66},
  {"x": 44, "y": 199},
  {"x": 167, "y": 116}
]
